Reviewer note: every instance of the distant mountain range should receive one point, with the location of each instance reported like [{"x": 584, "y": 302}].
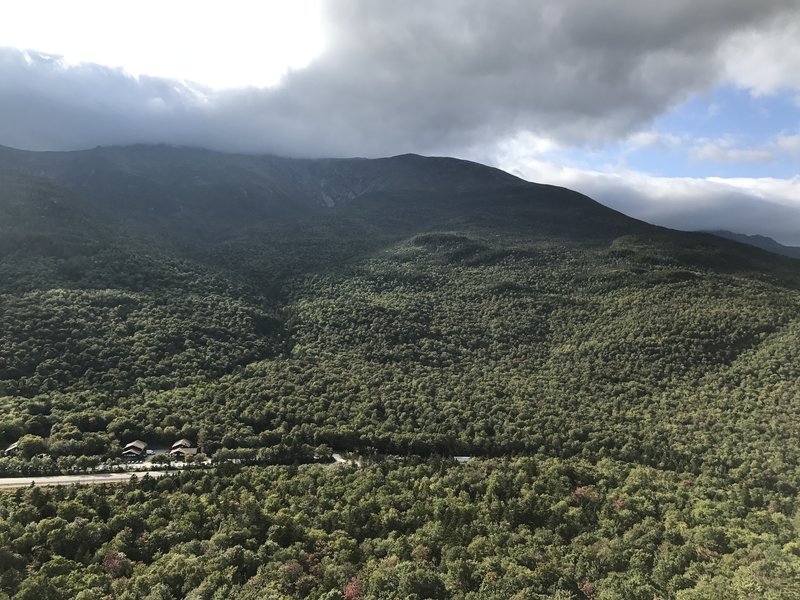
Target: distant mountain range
[{"x": 759, "y": 241}]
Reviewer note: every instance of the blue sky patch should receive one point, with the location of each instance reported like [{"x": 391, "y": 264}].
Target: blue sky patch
[{"x": 725, "y": 133}]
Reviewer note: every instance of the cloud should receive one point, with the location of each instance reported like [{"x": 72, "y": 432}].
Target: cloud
[
  {"x": 722, "y": 150},
  {"x": 652, "y": 139},
  {"x": 246, "y": 42},
  {"x": 765, "y": 59},
  {"x": 725, "y": 150},
  {"x": 429, "y": 76},
  {"x": 789, "y": 143},
  {"x": 515, "y": 83}
]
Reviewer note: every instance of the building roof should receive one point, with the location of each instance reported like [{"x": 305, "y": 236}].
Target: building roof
[
  {"x": 13, "y": 446},
  {"x": 136, "y": 445},
  {"x": 182, "y": 443}
]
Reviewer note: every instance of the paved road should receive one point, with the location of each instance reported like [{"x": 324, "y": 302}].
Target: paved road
[
  {"x": 87, "y": 479},
  {"x": 98, "y": 478}
]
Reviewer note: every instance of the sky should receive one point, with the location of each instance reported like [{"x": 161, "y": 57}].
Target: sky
[{"x": 681, "y": 113}]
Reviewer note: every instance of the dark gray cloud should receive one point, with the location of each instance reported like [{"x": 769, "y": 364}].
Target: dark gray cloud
[
  {"x": 419, "y": 75},
  {"x": 459, "y": 77}
]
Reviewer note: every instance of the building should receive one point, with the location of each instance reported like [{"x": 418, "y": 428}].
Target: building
[
  {"x": 134, "y": 450},
  {"x": 181, "y": 453},
  {"x": 181, "y": 449},
  {"x": 183, "y": 443},
  {"x": 12, "y": 450}
]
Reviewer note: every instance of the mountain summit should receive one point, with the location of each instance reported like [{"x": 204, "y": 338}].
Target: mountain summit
[{"x": 181, "y": 186}]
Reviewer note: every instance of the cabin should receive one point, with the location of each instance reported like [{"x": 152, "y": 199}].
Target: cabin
[
  {"x": 182, "y": 443},
  {"x": 12, "y": 450},
  {"x": 134, "y": 450},
  {"x": 182, "y": 453},
  {"x": 181, "y": 449}
]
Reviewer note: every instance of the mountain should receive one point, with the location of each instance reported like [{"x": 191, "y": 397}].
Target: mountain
[
  {"x": 273, "y": 309},
  {"x": 760, "y": 241},
  {"x": 187, "y": 190},
  {"x": 245, "y": 214},
  {"x": 162, "y": 271}
]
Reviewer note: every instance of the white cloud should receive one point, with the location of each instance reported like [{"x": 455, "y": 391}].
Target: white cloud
[
  {"x": 644, "y": 139},
  {"x": 725, "y": 150},
  {"x": 766, "y": 206},
  {"x": 765, "y": 59},
  {"x": 653, "y": 139},
  {"x": 240, "y": 43},
  {"x": 789, "y": 143},
  {"x": 785, "y": 192}
]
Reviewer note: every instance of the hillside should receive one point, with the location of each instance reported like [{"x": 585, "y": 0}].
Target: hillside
[
  {"x": 760, "y": 241},
  {"x": 408, "y": 306}
]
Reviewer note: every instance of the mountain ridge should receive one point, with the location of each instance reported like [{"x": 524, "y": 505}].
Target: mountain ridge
[
  {"x": 192, "y": 199},
  {"x": 216, "y": 207},
  {"x": 196, "y": 170},
  {"x": 759, "y": 241}
]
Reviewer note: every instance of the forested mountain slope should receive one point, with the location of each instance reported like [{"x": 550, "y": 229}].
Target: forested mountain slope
[{"x": 409, "y": 306}]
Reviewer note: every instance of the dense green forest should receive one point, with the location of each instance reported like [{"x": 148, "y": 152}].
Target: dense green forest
[
  {"x": 494, "y": 529},
  {"x": 630, "y": 392}
]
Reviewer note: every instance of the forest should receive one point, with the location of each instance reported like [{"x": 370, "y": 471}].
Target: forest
[
  {"x": 493, "y": 528},
  {"x": 628, "y": 394}
]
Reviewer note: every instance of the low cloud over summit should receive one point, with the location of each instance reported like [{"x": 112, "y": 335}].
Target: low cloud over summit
[{"x": 458, "y": 78}]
